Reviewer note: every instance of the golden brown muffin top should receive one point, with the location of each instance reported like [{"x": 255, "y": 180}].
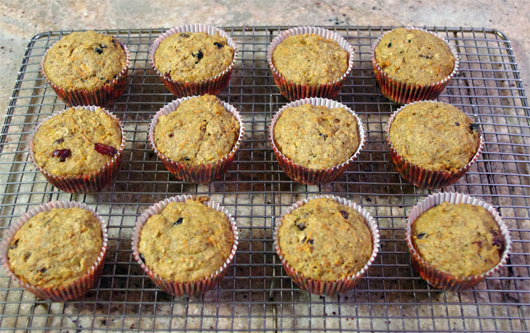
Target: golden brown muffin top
[
  {"x": 76, "y": 142},
  {"x": 317, "y": 137},
  {"x": 84, "y": 60},
  {"x": 325, "y": 240},
  {"x": 187, "y": 241},
  {"x": 199, "y": 131},
  {"x": 414, "y": 56},
  {"x": 193, "y": 56},
  {"x": 310, "y": 59},
  {"x": 459, "y": 239},
  {"x": 56, "y": 247},
  {"x": 434, "y": 136}
]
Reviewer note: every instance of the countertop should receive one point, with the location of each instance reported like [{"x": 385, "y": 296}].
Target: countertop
[{"x": 20, "y": 20}]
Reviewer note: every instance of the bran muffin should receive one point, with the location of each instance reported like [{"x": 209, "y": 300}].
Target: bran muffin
[
  {"x": 309, "y": 62},
  {"x": 310, "y": 59},
  {"x": 194, "y": 59},
  {"x": 414, "y": 56},
  {"x": 199, "y": 131},
  {"x": 432, "y": 144},
  {"x": 455, "y": 240},
  {"x": 325, "y": 240},
  {"x": 412, "y": 64},
  {"x": 459, "y": 239},
  {"x": 317, "y": 137},
  {"x": 87, "y": 68},
  {"x": 186, "y": 241},
  {"x": 193, "y": 56},
  {"x": 79, "y": 149},
  {"x": 55, "y": 248}
]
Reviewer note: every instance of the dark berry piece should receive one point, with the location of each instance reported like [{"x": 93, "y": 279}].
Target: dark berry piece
[
  {"x": 142, "y": 258},
  {"x": 105, "y": 149},
  {"x": 184, "y": 35},
  {"x": 323, "y": 135},
  {"x": 389, "y": 45},
  {"x": 179, "y": 221},
  {"x": 457, "y": 123},
  {"x": 114, "y": 77},
  {"x": 344, "y": 214},
  {"x": 304, "y": 239},
  {"x": 300, "y": 226},
  {"x": 426, "y": 56},
  {"x": 498, "y": 240},
  {"x": 198, "y": 55},
  {"x": 27, "y": 255},
  {"x": 473, "y": 127},
  {"x": 102, "y": 46},
  {"x": 58, "y": 141},
  {"x": 187, "y": 158},
  {"x": 98, "y": 50},
  {"x": 14, "y": 245},
  {"x": 62, "y": 154},
  {"x": 43, "y": 270},
  {"x": 311, "y": 242},
  {"x": 409, "y": 40},
  {"x": 219, "y": 45},
  {"x": 171, "y": 135},
  {"x": 421, "y": 235}
]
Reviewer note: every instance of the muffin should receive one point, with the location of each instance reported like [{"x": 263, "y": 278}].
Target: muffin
[
  {"x": 315, "y": 139},
  {"x": 194, "y": 59},
  {"x": 87, "y": 68},
  {"x": 432, "y": 144},
  {"x": 196, "y": 137},
  {"x": 56, "y": 251},
  {"x": 79, "y": 149},
  {"x": 412, "y": 64},
  {"x": 309, "y": 62},
  {"x": 185, "y": 244},
  {"x": 455, "y": 240},
  {"x": 326, "y": 244}
]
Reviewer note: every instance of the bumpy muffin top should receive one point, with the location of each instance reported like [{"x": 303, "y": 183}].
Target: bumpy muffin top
[
  {"x": 414, "y": 56},
  {"x": 325, "y": 240},
  {"x": 199, "y": 131},
  {"x": 84, "y": 60},
  {"x": 459, "y": 239},
  {"x": 434, "y": 136},
  {"x": 310, "y": 59},
  {"x": 193, "y": 56},
  {"x": 187, "y": 241},
  {"x": 76, "y": 142},
  {"x": 315, "y": 136},
  {"x": 54, "y": 248}
]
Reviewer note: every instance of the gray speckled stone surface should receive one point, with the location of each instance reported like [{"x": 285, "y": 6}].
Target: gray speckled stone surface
[{"x": 22, "y": 19}]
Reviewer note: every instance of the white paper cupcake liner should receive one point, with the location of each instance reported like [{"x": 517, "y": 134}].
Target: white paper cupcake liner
[
  {"x": 402, "y": 92},
  {"x": 213, "y": 85},
  {"x": 443, "y": 280},
  {"x": 305, "y": 175},
  {"x": 188, "y": 288},
  {"x": 92, "y": 182},
  {"x": 202, "y": 173},
  {"x": 74, "y": 290},
  {"x": 329, "y": 287},
  {"x": 294, "y": 91},
  {"x": 424, "y": 178}
]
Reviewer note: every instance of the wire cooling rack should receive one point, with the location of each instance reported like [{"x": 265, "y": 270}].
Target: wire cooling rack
[{"x": 256, "y": 294}]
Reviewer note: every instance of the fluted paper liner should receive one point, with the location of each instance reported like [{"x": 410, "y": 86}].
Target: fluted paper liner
[
  {"x": 443, "y": 280},
  {"x": 294, "y": 91},
  {"x": 402, "y": 92},
  {"x": 189, "y": 288},
  {"x": 92, "y": 182},
  {"x": 424, "y": 178},
  {"x": 74, "y": 290},
  {"x": 201, "y": 173},
  {"x": 329, "y": 287},
  {"x": 213, "y": 85},
  {"x": 101, "y": 96},
  {"x": 306, "y": 175}
]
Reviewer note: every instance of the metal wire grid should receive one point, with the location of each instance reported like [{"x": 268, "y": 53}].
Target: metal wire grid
[{"x": 256, "y": 294}]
